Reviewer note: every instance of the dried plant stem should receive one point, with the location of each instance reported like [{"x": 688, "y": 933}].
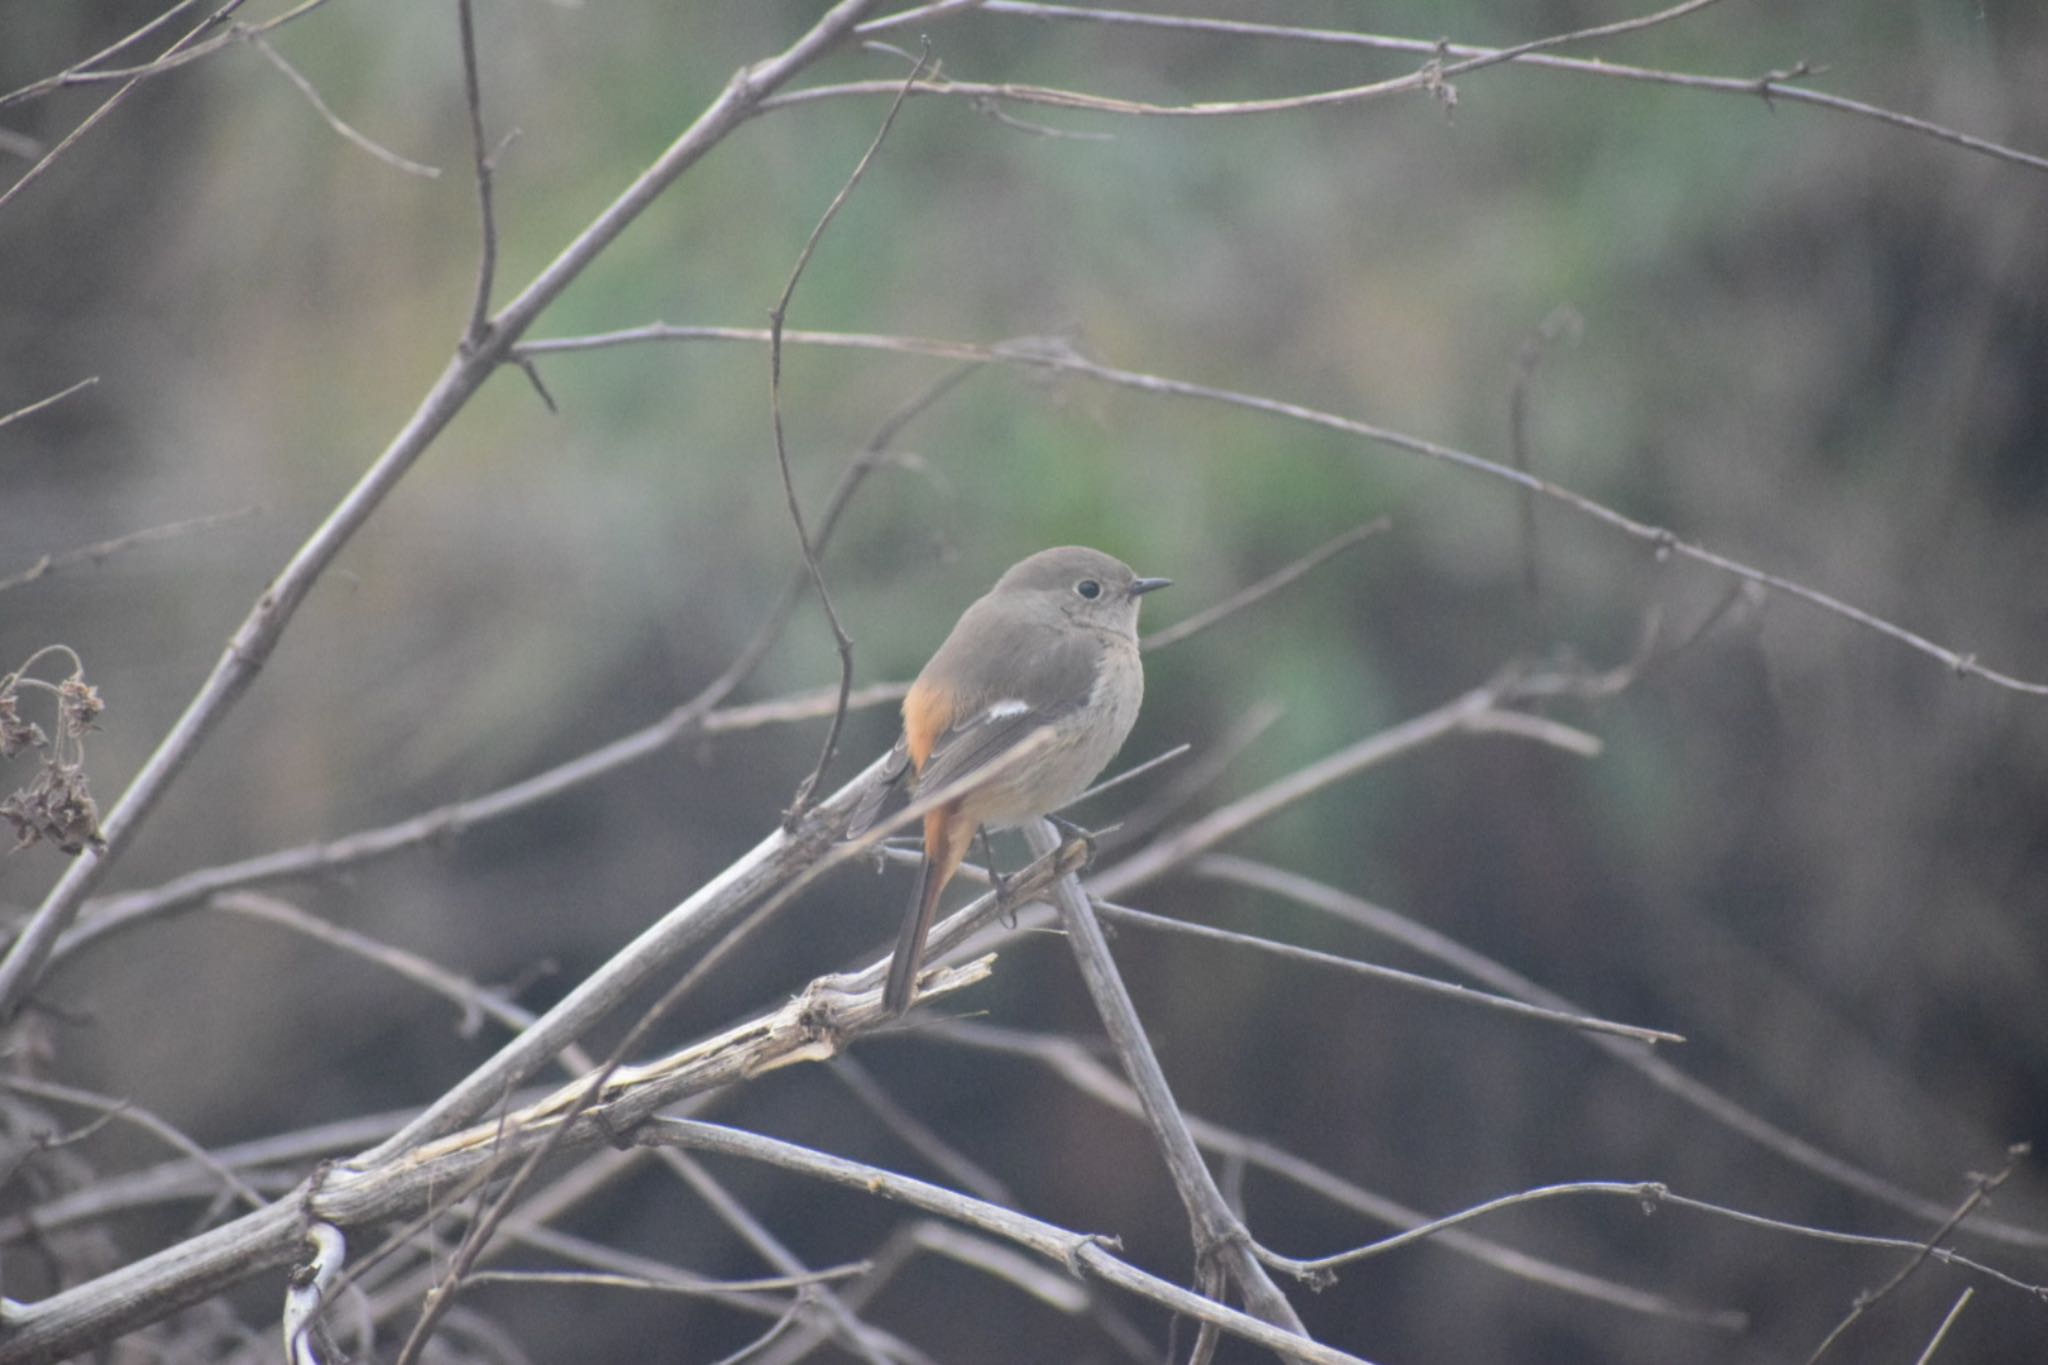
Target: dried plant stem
[
  {"x": 1663, "y": 542},
  {"x": 51, "y": 401},
  {"x": 1772, "y": 87},
  {"x": 840, "y": 639},
  {"x": 480, "y": 160},
  {"x": 1220, "y": 1240}
]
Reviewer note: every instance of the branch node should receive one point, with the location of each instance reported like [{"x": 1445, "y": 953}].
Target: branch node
[
  {"x": 1769, "y": 79},
  {"x": 532, "y": 373},
  {"x": 1105, "y": 1241},
  {"x": 1445, "y": 93}
]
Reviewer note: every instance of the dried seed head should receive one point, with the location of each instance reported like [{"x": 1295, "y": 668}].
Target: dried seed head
[
  {"x": 55, "y": 806},
  {"x": 17, "y": 734},
  {"x": 78, "y": 702}
]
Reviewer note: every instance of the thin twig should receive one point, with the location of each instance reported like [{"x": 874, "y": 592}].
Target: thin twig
[
  {"x": 1664, "y": 542},
  {"x": 1130, "y": 774},
  {"x": 1172, "y": 851},
  {"x": 1123, "y": 914},
  {"x": 179, "y": 55},
  {"x": 1193, "y": 779},
  {"x": 480, "y": 154},
  {"x": 127, "y": 1112},
  {"x": 841, "y": 1318},
  {"x": 965, "y": 1172},
  {"x": 1981, "y": 1187},
  {"x": 1771, "y": 87},
  {"x": 475, "y": 1001},
  {"x": 1941, "y": 1332},
  {"x": 1265, "y": 587},
  {"x": 776, "y": 1331},
  {"x": 800, "y": 803},
  {"x": 1433, "y": 77},
  {"x": 306, "y": 88},
  {"x": 685, "y": 1285},
  {"x": 59, "y": 396},
  {"x": 130, "y": 39},
  {"x": 1649, "y": 1194},
  {"x": 536, "y": 1235},
  {"x": 101, "y": 550},
  {"x": 1562, "y": 320}
]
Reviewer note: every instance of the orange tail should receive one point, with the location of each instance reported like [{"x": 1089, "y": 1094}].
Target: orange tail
[{"x": 946, "y": 837}]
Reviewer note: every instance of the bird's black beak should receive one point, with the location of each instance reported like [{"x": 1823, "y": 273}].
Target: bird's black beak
[{"x": 1140, "y": 587}]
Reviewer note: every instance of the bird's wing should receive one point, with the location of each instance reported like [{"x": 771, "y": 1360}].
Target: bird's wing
[
  {"x": 870, "y": 804},
  {"x": 1048, "y": 678}
]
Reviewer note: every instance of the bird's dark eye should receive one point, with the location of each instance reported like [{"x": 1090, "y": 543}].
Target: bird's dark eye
[{"x": 1089, "y": 589}]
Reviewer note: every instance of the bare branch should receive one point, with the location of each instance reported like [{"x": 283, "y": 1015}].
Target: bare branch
[
  {"x": 156, "y": 1126},
  {"x": 1771, "y": 87},
  {"x": 1941, "y": 1332},
  {"x": 1433, "y": 78},
  {"x": 1265, "y": 587},
  {"x": 480, "y": 153},
  {"x": 1123, "y": 914},
  {"x": 475, "y": 1002},
  {"x": 1562, "y": 321},
  {"x": 1981, "y": 1187},
  {"x": 685, "y": 1285},
  {"x": 1649, "y": 1194},
  {"x": 1130, "y": 774},
  {"x": 1663, "y": 542},
  {"x": 1464, "y": 713},
  {"x": 255, "y": 39},
  {"x": 919, "y": 1136},
  {"x": 838, "y": 1318},
  {"x": 1192, "y": 780},
  {"x": 1220, "y": 1240},
  {"x": 105, "y": 549},
  {"x": 178, "y": 55},
  {"x": 844, "y": 642},
  {"x": 54, "y": 399}
]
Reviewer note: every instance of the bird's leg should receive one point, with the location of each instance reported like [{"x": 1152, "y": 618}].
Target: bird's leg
[{"x": 995, "y": 878}]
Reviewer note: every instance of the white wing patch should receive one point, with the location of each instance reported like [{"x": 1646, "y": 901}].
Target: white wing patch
[{"x": 1000, "y": 710}]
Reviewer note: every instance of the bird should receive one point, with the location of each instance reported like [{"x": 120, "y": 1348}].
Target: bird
[{"x": 1048, "y": 655}]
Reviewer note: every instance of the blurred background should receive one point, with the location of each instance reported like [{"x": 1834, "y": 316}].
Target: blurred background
[{"x": 1810, "y": 342}]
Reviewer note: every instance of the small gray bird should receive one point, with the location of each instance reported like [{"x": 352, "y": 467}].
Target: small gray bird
[{"x": 1052, "y": 647}]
